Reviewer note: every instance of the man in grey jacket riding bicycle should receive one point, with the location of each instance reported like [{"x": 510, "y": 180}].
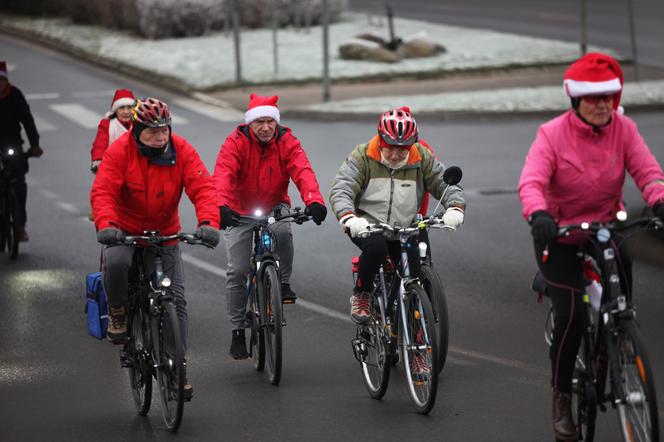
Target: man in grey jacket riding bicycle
[{"x": 385, "y": 181}]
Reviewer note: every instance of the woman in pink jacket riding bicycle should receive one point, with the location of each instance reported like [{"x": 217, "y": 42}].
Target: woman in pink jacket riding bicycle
[{"x": 575, "y": 172}]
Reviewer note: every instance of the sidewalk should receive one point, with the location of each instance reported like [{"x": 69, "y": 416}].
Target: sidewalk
[{"x": 482, "y": 72}]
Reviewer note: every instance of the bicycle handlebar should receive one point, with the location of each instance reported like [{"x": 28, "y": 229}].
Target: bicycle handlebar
[
  {"x": 295, "y": 215},
  {"x": 153, "y": 240},
  {"x": 432, "y": 221},
  {"x": 594, "y": 227}
]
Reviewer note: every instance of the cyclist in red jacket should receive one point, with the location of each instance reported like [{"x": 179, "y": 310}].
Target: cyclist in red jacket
[
  {"x": 138, "y": 187},
  {"x": 253, "y": 170}
]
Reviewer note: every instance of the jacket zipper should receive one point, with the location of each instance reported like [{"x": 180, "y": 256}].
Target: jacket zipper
[{"x": 389, "y": 207}]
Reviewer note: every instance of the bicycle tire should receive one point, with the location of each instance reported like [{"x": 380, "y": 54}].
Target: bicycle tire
[
  {"x": 376, "y": 363},
  {"x": 11, "y": 227},
  {"x": 584, "y": 404},
  {"x": 140, "y": 371},
  {"x": 171, "y": 374},
  {"x": 257, "y": 333},
  {"x": 3, "y": 224},
  {"x": 269, "y": 291},
  {"x": 418, "y": 326},
  {"x": 434, "y": 288},
  {"x": 637, "y": 410}
]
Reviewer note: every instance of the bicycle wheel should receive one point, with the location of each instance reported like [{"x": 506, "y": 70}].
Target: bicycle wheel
[
  {"x": 434, "y": 288},
  {"x": 257, "y": 333},
  {"x": 3, "y": 224},
  {"x": 637, "y": 410},
  {"x": 10, "y": 227},
  {"x": 269, "y": 292},
  {"x": 419, "y": 349},
  {"x": 171, "y": 374},
  {"x": 140, "y": 370},
  {"x": 375, "y": 364},
  {"x": 584, "y": 405}
]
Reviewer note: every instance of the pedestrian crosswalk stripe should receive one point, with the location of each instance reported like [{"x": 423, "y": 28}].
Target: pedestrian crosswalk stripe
[
  {"x": 223, "y": 115},
  {"x": 43, "y": 125},
  {"x": 44, "y": 96},
  {"x": 77, "y": 113},
  {"x": 178, "y": 120}
]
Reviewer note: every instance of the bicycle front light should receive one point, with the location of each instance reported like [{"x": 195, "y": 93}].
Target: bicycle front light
[
  {"x": 166, "y": 282},
  {"x": 10, "y": 151}
]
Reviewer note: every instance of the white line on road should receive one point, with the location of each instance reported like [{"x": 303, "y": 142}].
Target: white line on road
[
  {"x": 49, "y": 194},
  {"x": 92, "y": 94},
  {"x": 325, "y": 311},
  {"x": 216, "y": 113},
  {"x": 67, "y": 206},
  {"x": 77, "y": 113},
  {"x": 45, "y": 96}
]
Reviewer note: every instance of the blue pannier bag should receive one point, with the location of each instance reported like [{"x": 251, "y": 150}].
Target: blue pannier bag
[{"x": 96, "y": 306}]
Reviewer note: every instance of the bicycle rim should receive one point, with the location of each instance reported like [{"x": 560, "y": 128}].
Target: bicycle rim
[
  {"x": 140, "y": 372},
  {"x": 11, "y": 228},
  {"x": 257, "y": 335},
  {"x": 170, "y": 368},
  {"x": 3, "y": 225},
  {"x": 637, "y": 410},
  {"x": 434, "y": 288},
  {"x": 375, "y": 366},
  {"x": 272, "y": 318},
  {"x": 419, "y": 348}
]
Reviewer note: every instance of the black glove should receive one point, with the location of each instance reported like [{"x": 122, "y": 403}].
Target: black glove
[
  {"x": 317, "y": 211},
  {"x": 658, "y": 210},
  {"x": 110, "y": 235},
  {"x": 228, "y": 217},
  {"x": 208, "y": 234},
  {"x": 544, "y": 228}
]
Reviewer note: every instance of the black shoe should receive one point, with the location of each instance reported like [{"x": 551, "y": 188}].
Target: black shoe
[
  {"x": 238, "y": 345},
  {"x": 287, "y": 295}
]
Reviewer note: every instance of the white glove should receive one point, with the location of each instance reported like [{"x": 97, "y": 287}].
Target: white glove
[
  {"x": 94, "y": 166},
  {"x": 354, "y": 224},
  {"x": 453, "y": 217}
]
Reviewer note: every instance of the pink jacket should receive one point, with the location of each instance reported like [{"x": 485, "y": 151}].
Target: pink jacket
[{"x": 577, "y": 174}]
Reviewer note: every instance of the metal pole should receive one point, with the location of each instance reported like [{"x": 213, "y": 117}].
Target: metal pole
[
  {"x": 632, "y": 37},
  {"x": 326, "y": 54},
  {"x": 275, "y": 25},
  {"x": 390, "y": 22},
  {"x": 236, "y": 38},
  {"x": 584, "y": 41}
]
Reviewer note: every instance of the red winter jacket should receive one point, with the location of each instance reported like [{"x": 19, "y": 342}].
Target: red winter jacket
[
  {"x": 136, "y": 193},
  {"x": 103, "y": 139},
  {"x": 250, "y": 176}
]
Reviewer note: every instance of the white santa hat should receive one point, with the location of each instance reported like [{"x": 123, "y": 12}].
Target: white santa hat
[
  {"x": 594, "y": 74},
  {"x": 122, "y": 97},
  {"x": 3, "y": 69},
  {"x": 261, "y": 107}
]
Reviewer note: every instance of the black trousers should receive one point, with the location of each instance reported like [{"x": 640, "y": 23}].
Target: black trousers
[
  {"x": 374, "y": 250},
  {"x": 17, "y": 167},
  {"x": 563, "y": 271}
]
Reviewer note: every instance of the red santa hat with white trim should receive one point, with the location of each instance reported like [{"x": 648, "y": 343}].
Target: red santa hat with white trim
[
  {"x": 3, "y": 69},
  {"x": 122, "y": 97},
  {"x": 594, "y": 74},
  {"x": 261, "y": 107}
]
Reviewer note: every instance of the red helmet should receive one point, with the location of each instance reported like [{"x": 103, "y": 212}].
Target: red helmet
[
  {"x": 151, "y": 113},
  {"x": 398, "y": 127}
]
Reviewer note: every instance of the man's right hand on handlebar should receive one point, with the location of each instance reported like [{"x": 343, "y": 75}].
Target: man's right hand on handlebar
[
  {"x": 110, "y": 235},
  {"x": 208, "y": 235},
  {"x": 658, "y": 210},
  {"x": 543, "y": 227},
  {"x": 229, "y": 217},
  {"x": 354, "y": 224}
]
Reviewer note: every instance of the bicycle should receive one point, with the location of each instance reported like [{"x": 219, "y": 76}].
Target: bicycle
[
  {"x": 265, "y": 310},
  {"x": 155, "y": 346},
  {"x": 11, "y": 218},
  {"x": 611, "y": 343},
  {"x": 402, "y": 316}
]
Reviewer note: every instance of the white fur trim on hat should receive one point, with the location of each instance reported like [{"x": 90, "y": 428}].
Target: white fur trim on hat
[
  {"x": 260, "y": 112},
  {"x": 117, "y": 104},
  {"x": 575, "y": 88}
]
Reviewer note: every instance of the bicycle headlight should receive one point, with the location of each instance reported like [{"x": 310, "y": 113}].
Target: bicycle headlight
[
  {"x": 166, "y": 281},
  {"x": 621, "y": 215},
  {"x": 258, "y": 213},
  {"x": 10, "y": 151},
  {"x": 603, "y": 235}
]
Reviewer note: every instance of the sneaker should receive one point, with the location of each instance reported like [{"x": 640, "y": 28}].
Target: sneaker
[
  {"x": 117, "y": 324},
  {"x": 287, "y": 295},
  {"x": 360, "y": 307},
  {"x": 238, "y": 345},
  {"x": 419, "y": 367},
  {"x": 23, "y": 235}
]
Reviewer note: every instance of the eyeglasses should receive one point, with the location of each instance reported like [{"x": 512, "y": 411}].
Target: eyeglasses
[{"x": 594, "y": 99}]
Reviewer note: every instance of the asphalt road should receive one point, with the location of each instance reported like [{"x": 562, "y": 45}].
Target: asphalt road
[
  {"x": 57, "y": 383},
  {"x": 607, "y": 20}
]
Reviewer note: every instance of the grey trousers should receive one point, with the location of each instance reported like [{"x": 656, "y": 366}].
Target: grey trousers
[
  {"x": 239, "y": 242},
  {"x": 115, "y": 276}
]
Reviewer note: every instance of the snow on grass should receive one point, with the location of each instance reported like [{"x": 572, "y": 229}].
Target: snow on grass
[
  {"x": 545, "y": 98},
  {"x": 208, "y": 61}
]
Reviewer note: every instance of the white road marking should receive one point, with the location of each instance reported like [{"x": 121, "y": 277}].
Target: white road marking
[
  {"x": 178, "y": 120},
  {"x": 77, "y": 113},
  {"x": 48, "y": 194},
  {"x": 224, "y": 115},
  {"x": 44, "y": 96},
  {"x": 67, "y": 206},
  {"x": 344, "y": 317},
  {"x": 92, "y": 94},
  {"x": 43, "y": 125}
]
